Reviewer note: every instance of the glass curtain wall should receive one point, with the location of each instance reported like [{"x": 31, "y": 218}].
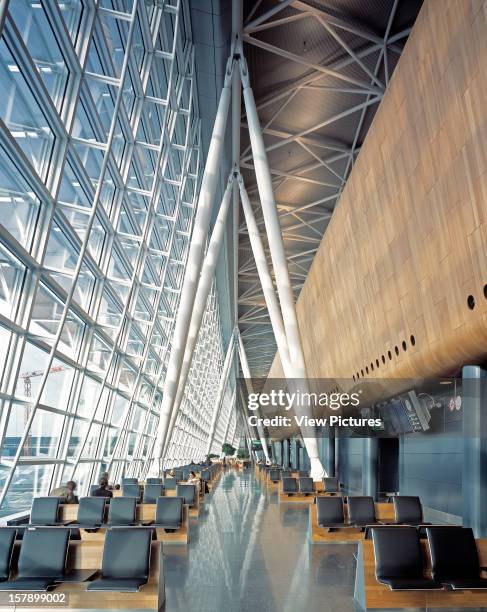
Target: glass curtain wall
[{"x": 100, "y": 165}]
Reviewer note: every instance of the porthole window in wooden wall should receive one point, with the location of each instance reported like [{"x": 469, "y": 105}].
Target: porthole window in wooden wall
[
  {"x": 413, "y": 340},
  {"x": 471, "y": 302},
  {"x": 404, "y": 345}
]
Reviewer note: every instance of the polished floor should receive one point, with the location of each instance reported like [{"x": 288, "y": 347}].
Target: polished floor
[{"x": 247, "y": 552}]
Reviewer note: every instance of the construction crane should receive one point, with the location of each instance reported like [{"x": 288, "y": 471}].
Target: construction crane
[{"x": 28, "y": 376}]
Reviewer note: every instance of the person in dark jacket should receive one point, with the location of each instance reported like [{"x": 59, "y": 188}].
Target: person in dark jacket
[{"x": 103, "y": 490}]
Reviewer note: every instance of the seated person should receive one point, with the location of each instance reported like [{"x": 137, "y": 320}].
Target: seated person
[
  {"x": 106, "y": 477},
  {"x": 171, "y": 474},
  {"x": 194, "y": 480},
  {"x": 66, "y": 493},
  {"x": 103, "y": 489}
]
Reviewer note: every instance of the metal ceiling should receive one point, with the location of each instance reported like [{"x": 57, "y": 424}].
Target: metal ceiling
[{"x": 318, "y": 70}]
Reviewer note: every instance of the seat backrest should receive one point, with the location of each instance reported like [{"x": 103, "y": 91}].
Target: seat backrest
[
  {"x": 126, "y": 553},
  {"x": 178, "y": 474},
  {"x": 153, "y": 481},
  {"x": 170, "y": 483},
  {"x": 361, "y": 510},
  {"x": 453, "y": 553},
  {"x": 152, "y": 492},
  {"x": 93, "y": 488},
  {"x": 330, "y": 485},
  {"x": 205, "y": 475},
  {"x": 186, "y": 472},
  {"x": 286, "y": 474},
  {"x": 91, "y": 510},
  {"x": 303, "y": 473},
  {"x": 7, "y": 539},
  {"x": 274, "y": 475},
  {"x": 289, "y": 485},
  {"x": 43, "y": 553},
  {"x": 169, "y": 511},
  {"x": 397, "y": 552},
  {"x": 306, "y": 484},
  {"x": 127, "y": 481},
  {"x": 407, "y": 509},
  {"x": 122, "y": 510},
  {"x": 329, "y": 510},
  {"x": 131, "y": 490},
  {"x": 44, "y": 510},
  {"x": 187, "y": 492}
]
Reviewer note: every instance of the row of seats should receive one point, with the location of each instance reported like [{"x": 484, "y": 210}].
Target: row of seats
[
  {"x": 306, "y": 486},
  {"x": 361, "y": 511},
  {"x": 38, "y": 571},
  {"x": 150, "y": 492},
  {"x": 399, "y": 560},
  {"x": 121, "y": 512}
]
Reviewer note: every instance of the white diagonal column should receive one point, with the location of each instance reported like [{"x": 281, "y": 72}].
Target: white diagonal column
[
  {"x": 221, "y": 391},
  {"x": 248, "y": 379},
  {"x": 279, "y": 262},
  {"x": 193, "y": 266},
  {"x": 199, "y": 306}
]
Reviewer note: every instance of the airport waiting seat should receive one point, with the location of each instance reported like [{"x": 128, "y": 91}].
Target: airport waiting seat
[
  {"x": 178, "y": 474},
  {"x": 306, "y": 485},
  {"x": 91, "y": 512},
  {"x": 7, "y": 539},
  {"x": 187, "y": 492},
  {"x": 125, "y": 562},
  {"x": 274, "y": 475},
  {"x": 286, "y": 474},
  {"x": 399, "y": 559},
  {"x": 122, "y": 511},
  {"x": 361, "y": 511},
  {"x": 150, "y": 481},
  {"x": 303, "y": 473},
  {"x": 289, "y": 486},
  {"x": 44, "y": 511},
  {"x": 408, "y": 510},
  {"x": 331, "y": 485},
  {"x": 186, "y": 472},
  {"x": 454, "y": 558},
  {"x": 93, "y": 488},
  {"x": 152, "y": 492},
  {"x": 329, "y": 512},
  {"x": 42, "y": 560},
  {"x": 170, "y": 484},
  {"x": 205, "y": 475},
  {"x": 169, "y": 512},
  {"x": 131, "y": 490},
  {"x": 127, "y": 481}
]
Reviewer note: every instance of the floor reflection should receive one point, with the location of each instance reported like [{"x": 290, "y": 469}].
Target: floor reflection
[{"x": 247, "y": 552}]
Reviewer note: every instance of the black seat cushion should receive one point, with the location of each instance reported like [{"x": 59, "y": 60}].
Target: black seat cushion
[
  {"x": 408, "y": 509},
  {"x": 330, "y": 485},
  {"x": 289, "y": 485},
  {"x": 91, "y": 511},
  {"x": 329, "y": 511},
  {"x": 122, "y": 511},
  {"x": 187, "y": 492},
  {"x": 454, "y": 555},
  {"x": 125, "y": 564},
  {"x": 169, "y": 512},
  {"x": 27, "y": 584},
  {"x": 361, "y": 510},
  {"x": 152, "y": 492},
  {"x": 467, "y": 584},
  {"x": 7, "y": 539},
  {"x": 399, "y": 558},
  {"x": 122, "y": 585},
  {"x": 306, "y": 485},
  {"x": 44, "y": 511}
]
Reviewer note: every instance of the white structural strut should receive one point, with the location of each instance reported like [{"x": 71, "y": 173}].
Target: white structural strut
[
  {"x": 278, "y": 255},
  {"x": 194, "y": 263},
  {"x": 248, "y": 379},
  {"x": 227, "y": 426},
  {"x": 265, "y": 279},
  {"x": 221, "y": 391},
  {"x": 202, "y": 293}
]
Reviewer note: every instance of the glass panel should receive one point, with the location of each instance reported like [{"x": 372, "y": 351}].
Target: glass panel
[
  {"x": 33, "y": 25},
  {"x": 22, "y": 115},
  {"x": 12, "y": 274},
  {"x": 28, "y": 482}
]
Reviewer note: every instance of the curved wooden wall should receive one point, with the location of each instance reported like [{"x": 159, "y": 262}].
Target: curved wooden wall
[{"x": 407, "y": 243}]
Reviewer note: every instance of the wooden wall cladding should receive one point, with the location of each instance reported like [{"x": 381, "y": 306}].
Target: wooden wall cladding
[{"x": 407, "y": 243}]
